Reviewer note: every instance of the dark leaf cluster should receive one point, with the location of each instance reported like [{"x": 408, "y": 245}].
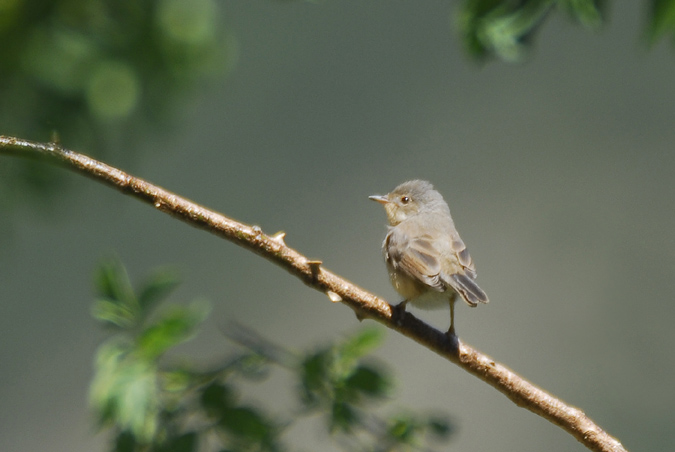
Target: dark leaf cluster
[
  {"x": 506, "y": 28},
  {"x": 148, "y": 404},
  {"x": 661, "y": 20},
  {"x": 340, "y": 382}
]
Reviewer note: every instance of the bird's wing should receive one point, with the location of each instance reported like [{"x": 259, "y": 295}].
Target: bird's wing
[
  {"x": 463, "y": 279},
  {"x": 416, "y": 257},
  {"x": 462, "y": 254}
]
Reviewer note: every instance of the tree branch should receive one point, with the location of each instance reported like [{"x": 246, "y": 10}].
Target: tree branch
[{"x": 365, "y": 304}]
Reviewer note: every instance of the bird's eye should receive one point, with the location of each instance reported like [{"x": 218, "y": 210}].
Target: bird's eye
[{"x": 405, "y": 199}]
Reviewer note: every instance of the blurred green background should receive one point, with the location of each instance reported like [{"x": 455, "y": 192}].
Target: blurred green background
[{"x": 559, "y": 173}]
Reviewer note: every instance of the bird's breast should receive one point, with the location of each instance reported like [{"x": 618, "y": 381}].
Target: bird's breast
[{"x": 404, "y": 285}]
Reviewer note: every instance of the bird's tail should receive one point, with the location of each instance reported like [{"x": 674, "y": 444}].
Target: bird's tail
[{"x": 468, "y": 289}]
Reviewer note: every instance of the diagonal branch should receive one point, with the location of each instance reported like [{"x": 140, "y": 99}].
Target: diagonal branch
[{"x": 338, "y": 289}]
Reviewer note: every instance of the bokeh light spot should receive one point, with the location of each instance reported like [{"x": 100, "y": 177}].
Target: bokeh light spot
[
  {"x": 187, "y": 22},
  {"x": 113, "y": 90}
]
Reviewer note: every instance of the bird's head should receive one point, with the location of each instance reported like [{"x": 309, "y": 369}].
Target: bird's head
[{"x": 409, "y": 199}]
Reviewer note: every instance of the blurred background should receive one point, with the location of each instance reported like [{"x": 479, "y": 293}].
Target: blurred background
[{"x": 558, "y": 171}]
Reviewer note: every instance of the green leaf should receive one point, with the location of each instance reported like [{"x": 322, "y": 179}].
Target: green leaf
[
  {"x": 177, "y": 380},
  {"x": 174, "y": 327},
  {"x": 249, "y": 424},
  {"x": 440, "y": 427},
  {"x": 661, "y": 19},
  {"x": 500, "y": 27},
  {"x": 217, "y": 400},
  {"x": 112, "y": 282},
  {"x": 357, "y": 346},
  {"x": 104, "y": 384},
  {"x": 124, "y": 390},
  {"x": 188, "y": 442},
  {"x": 314, "y": 372},
  {"x": 114, "y": 314},
  {"x": 117, "y": 305},
  {"x": 253, "y": 366},
  {"x": 368, "y": 381},
  {"x": 125, "y": 442},
  {"x": 587, "y": 12},
  {"x": 343, "y": 417},
  {"x": 403, "y": 429},
  {"x": 157, "y": 287}
]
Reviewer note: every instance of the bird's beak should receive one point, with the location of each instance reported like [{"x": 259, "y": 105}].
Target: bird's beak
[{"x": 379, "y": 198}]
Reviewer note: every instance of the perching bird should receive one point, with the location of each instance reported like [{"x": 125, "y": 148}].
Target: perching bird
[{"x": 427, "y": 261}]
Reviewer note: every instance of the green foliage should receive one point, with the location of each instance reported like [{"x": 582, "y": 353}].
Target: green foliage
[
  {"x": 149, "y": 405},
  {"x": 589, "y": 13},
  {"x": 661, "y": 20},
  {"x": 505, "y": 28},
  {"x": 342, "y": 384},
  {"x": 78, "y": 65},
  {"x": 335, "y": 381},
  {"x": 100, "y": 73},
  {"x": 126, "y": 389}
]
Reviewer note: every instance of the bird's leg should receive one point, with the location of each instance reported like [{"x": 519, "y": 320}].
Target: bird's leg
[
  {"x": 451, "y": 330},
  {"x": 398, "y": 311}
]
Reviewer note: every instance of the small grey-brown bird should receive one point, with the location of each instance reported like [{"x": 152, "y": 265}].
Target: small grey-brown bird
[{"x": 427, "y": 261}]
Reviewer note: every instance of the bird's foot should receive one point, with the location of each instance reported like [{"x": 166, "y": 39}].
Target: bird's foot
[
  {"x": 453, "y": 340},
  {"x": 398, "y": 312}
]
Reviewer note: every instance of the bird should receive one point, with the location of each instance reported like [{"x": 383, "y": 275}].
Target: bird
[{"x": 428, "y": 263}]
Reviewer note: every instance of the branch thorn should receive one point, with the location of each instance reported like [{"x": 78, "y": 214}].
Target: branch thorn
[
  {"x": 314, "y": 267},
  {"x": 279, "y": 237}
]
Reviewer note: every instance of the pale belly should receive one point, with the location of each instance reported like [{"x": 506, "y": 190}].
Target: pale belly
[{"x": 420, "y": 295}]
